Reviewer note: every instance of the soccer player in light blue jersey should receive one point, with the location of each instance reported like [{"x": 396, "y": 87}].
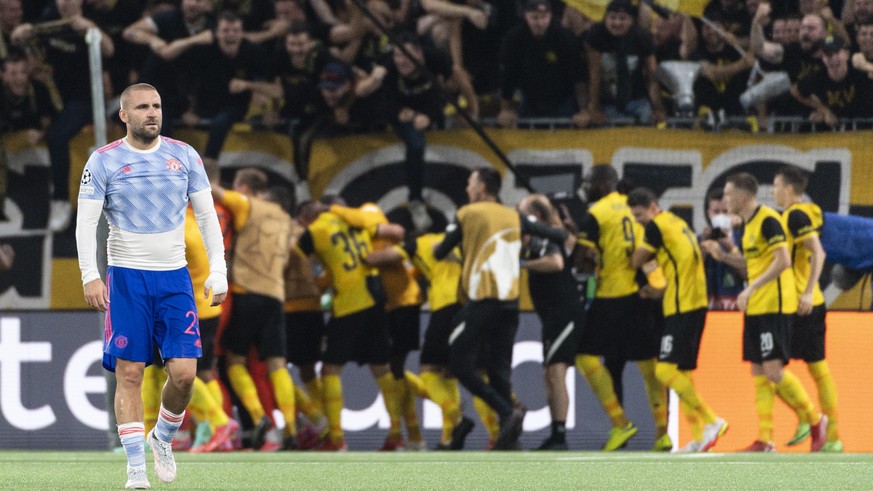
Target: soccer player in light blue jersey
[{"x": 143, "y": 183}]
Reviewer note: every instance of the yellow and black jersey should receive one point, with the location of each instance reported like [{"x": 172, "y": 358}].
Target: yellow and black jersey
[
  {"x": 763, "y": 233},
  {"x": 342, "y": 249},
  {"x": 678, "y": 253},
  {"x": 610, "y": 229},
  {"x": 442, "y": 275},
  {"x": 198, "y": 266},
  {"x": 262, "y": 245},
  {"x": 804, "y": 221},
  {"x": 401, "y": 289}
]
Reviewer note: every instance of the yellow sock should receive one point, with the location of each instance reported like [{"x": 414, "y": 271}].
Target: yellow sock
[
  {"x": 314, "y": 389},
  {"x": 244, "y": 387},
  {"x": 417, "y": 384},
  {"x": 391, "y": 394},
  {"x": 827, "y": 395},
  {"x": 695, "y": 422},
  {"x": 601, "y": 383},
  {"x": 215, "y": 389},
  {"x": 199, "y": 404},
  {"x": 204, "y": 407},
  {"x": 693, "y": 417},
  {"x": 657, "y": 394},
  {"x": 451, "y": 386},
  {"x": 680, "y": 382},
  {"x": 332, "y": 399},
  {"x": 283, "y": 391},
  {"x": 790, "y": 390},
  {"x": 439, "y": 393},
  {"x": 410, "y": 412},
  {"x": 307, "y": 406},
  {"x": 765, "y": 395},
  {"x": 488, "y": 417},
  {"x": 151, "y": 396}
]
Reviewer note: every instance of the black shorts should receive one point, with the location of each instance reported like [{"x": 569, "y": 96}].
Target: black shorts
[
  {"x": 808, "y": 335},
  {"x": 680, "y": 343},
  {"x": 435, "y": 350},
  {"x": 305, "y": 333},
  {"x": 485, "y": 333},
  {"x": 620, "y": 327},
  {"x": 767, "y": 337},
  {"x": 208, "y": 328},
  {"x": 361, "y": 337},
  {"x": 404, "y": 327},
  {"x": 255, "y": 320},
  {"x": 561, "y": 334}
]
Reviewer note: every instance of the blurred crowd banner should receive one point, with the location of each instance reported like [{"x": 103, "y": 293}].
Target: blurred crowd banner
[
  {"x": 53, "y": 389},
  {"x": 679, "y": 165}
]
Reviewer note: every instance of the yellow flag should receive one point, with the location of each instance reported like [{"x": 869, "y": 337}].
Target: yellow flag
[{"x": 595, "y": 9}]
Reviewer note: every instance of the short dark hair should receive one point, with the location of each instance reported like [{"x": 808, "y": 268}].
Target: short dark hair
[
  {"x": 714, "y": 194},
  {"x": 745, "y": 181},
  {"x": 794, "y": 177},
  {"x": 641, "y": 197},
  {"x": 602, "y": 180},
  {"x": 309, "y": 210},
  {"x": 299, "y": 27},
  {"x": 490, "y": 178},
  {"x": 229, "y": 16},
  {"x": 408, "y": 37},
  {"x": 15, "y": 55}
]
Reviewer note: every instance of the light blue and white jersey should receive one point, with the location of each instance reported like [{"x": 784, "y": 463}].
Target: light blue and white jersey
[{"x": 145, "y": 194}]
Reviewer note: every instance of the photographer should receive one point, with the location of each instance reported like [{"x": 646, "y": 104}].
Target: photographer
[{"x": 724, "y": 279}]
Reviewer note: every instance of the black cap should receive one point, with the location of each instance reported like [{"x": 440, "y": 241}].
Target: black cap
[
  {"x": 533, "y": 5},
  {"x": 622, "y": 6},
  {"x": 832, "y": 44},
  {"x": 334, "y": 75}
]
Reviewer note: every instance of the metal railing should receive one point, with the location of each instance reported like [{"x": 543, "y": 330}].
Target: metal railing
[{"x": 772, "y": 124}]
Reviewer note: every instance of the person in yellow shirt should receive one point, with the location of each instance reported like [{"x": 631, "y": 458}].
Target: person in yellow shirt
[
  {"x": 617, "y": 327},
  {"x": 402, "y": 315},
  {"x": 668, "y": 238},
  {"x": 442, "y": 279},
  {"x": 356, "y": 330},
  {"x": 770, "y": 304},
  {"x": 257, "y": 320},
  {"x": 304, "y": 326},
  {"x": 804, "y": 221}
]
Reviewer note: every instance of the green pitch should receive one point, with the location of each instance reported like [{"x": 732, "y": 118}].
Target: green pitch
[{"x": 443, "y": 470}]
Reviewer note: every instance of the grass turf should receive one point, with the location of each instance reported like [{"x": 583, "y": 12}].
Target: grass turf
[{"x": 445, "y": 470}]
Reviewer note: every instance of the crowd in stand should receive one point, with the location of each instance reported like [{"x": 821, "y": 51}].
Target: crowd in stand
[{"x": 329, "y": 67}]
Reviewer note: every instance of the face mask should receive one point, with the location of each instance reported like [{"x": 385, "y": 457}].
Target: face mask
[{"x": 721, "y": 221}]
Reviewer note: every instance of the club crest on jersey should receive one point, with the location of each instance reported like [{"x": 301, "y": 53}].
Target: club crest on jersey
[
  {"x": 174, "y": 165},
  {"x": 121, "y": 342}
]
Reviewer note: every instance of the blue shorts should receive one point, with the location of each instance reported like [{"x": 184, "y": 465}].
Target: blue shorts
[{"x": 149, "y": 309}]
